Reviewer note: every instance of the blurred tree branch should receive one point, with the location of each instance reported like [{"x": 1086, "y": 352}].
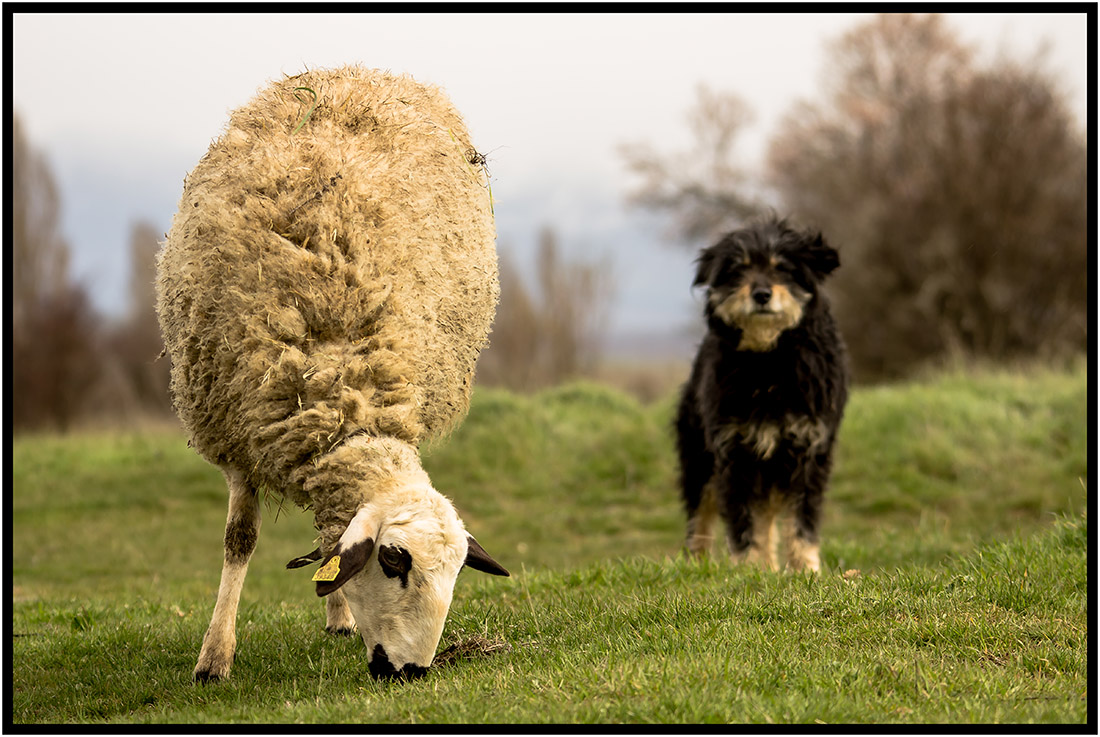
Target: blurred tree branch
[
  {"x": 135, "y": 344},
  {"x": 40, "y": 256},
  {"x": 703, "y": 190}
]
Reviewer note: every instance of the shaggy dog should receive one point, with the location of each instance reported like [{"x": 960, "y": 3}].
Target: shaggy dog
[{"x": 759, "y": 415}]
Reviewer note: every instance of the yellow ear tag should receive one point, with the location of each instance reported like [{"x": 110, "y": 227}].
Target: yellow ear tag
[{"x": 329, "y": 570}]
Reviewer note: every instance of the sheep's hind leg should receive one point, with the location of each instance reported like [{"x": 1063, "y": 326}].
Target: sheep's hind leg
[
  {"x": 338, "y": 617},
  {"x": 241, "y": 528}
]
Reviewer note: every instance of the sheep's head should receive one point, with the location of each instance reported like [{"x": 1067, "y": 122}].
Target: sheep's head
[{"x": 397, "y": 564}]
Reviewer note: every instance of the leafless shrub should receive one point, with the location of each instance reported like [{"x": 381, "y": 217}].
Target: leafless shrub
[
  {"x": 56, "y": 361},
  {"x": 956, "y": 193},
  {"x": 648, "y": 380}
]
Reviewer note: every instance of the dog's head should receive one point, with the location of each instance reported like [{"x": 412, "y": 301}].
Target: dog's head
[{"x": 762, "y": 279}]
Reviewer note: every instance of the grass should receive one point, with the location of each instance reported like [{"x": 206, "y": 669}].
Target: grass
[{"x": 957, "y": 509}]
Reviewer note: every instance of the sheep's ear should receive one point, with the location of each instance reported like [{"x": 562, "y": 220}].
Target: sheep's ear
[
  {"x": 342, "y": 565},
  {"x": 305, "y": 560},
  {"x": 351, "y": 554},
  {"x": 479, "y": 560}
]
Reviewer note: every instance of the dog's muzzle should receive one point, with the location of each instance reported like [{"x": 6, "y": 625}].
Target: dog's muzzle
[{"x": 761, "y": 295}]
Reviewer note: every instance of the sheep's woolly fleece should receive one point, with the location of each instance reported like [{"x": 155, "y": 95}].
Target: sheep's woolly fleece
[{"x": 331, "y": 272}]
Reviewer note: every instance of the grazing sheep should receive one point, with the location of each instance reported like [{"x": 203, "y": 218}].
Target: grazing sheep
[{"x": 324, "y": 292}]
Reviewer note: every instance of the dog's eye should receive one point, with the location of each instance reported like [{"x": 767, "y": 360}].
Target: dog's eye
[
  {"x": 730, "y": 271},
  {"x": 785, "y": 266}
]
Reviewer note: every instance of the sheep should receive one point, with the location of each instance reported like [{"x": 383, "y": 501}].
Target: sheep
[{"x": 327, "y": 284}]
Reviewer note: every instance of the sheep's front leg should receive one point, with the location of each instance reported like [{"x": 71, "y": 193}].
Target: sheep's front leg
[
  {"x": 241, "y": 527},
  {"x": 338, "y": 617}
]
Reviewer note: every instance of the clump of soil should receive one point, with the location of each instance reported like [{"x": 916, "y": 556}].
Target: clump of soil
[{"x": 470, "y": 648}]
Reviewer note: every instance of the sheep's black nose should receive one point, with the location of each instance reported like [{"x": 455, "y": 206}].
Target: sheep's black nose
[
  {"x": 412, "y": 672},
  {"x": 381, "y": 667},
  {"x": 761, "y": 295}
]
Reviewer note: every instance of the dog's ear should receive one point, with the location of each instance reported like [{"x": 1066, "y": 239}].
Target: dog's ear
[
  {"x": 707, "y": 267},
  {"x": 819, "y": 256}
]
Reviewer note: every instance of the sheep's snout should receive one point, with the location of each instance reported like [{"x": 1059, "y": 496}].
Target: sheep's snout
[{"x": 381, "y": 667}]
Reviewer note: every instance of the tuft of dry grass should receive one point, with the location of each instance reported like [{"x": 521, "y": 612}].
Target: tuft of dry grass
[{"x": 470, "y": 648}]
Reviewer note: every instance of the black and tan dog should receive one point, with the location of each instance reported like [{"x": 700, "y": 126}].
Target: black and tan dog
[{"x": 759, "y": 416}]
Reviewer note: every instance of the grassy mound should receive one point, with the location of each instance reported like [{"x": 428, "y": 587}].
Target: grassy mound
[
  {"x": 954, "y": 583},
  {"x": 581, "y": 472}
]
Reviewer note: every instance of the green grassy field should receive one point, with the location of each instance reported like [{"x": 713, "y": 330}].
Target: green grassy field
[{"x": 954, "y": 582}]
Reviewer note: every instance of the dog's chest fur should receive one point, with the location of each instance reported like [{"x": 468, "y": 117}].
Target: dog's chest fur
[
  {"x": 788, "y": 398},
  {"x": 764, "y": 437}
]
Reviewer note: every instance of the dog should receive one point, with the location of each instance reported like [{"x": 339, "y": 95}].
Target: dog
[{"x": 759, "y": 415}]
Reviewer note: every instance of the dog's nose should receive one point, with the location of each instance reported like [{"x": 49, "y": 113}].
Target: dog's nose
[
  {"x": 381, "y": 667},
  {"x": 761, "y": 295}
]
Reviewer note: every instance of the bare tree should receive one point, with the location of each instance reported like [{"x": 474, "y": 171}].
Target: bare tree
[
  {"x": 703, "y": 189},
  {"x": 510, "y": 359},
  {"x": 554, "y": 334},
  {"x": 55, "y": 358},
  {"x": 40, "y": 256},
  {"x": 956, "y": 193},
  {"x": 135, "y": 343}
]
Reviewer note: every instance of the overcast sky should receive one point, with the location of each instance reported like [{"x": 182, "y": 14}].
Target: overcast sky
[{"x": 124, "y": 105}]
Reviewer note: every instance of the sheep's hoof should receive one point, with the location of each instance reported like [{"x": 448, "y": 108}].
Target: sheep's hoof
[
  {"x": 206, "y": 676},
  {"x": 341, "y": 631},
  {"x": 212, "y": 670}
]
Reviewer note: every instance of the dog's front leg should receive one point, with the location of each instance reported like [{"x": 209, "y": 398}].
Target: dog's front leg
[
  {"x": 701, "y": 519},
  {"x": 754, "y": 539},
  {"x": 801, "y": 543},
  {"x": 750, "y": 522}
]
